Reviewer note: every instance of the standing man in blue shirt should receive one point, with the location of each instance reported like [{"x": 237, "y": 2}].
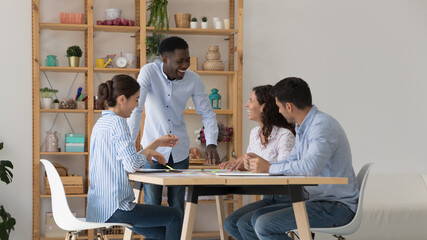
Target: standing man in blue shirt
[
  {"x": 165, "y": 89},
  {"x": 321, "y": 149}
]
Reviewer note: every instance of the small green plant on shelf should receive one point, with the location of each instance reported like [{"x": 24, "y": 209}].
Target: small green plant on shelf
[
  {"x": 158, "y": 14},
  {"x": 204, "y": 19},
  {"x": 194, "y": 19},
  {"x": 152, "y": 45},
  {"x": 47, "y": 92},
  {"x": 74, "y": 51},
  {"x": 56, "y": 100},
  {"x": 7, "y": 222}
]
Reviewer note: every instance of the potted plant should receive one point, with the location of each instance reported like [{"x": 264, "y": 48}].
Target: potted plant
[
  {"x": 46, "y": 97},
  {"x": 56, "y": 104},
  {"x": 152, "y": 47},
  {"x": 7, "y": 222},
  {"x": 158, "y": 14},
  {"x": 193, "y": 23},
  {"x": 204, "y": 22},
  {"x": 74, "y": 53}
]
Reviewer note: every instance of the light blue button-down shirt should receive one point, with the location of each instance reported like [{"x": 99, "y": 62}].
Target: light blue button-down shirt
[
  {"x": 164, "y": 102},
  {"x": 322, "y": 149},
  {"x": 112, "y": 156}
]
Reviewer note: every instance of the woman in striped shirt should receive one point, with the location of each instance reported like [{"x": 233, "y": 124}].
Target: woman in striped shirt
[{"x": 113, "y": 155}]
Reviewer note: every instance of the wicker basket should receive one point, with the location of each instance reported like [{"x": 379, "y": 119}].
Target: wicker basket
[
  {"x": 213, "y": 48},
  {"x": 213, "y": 65},
  {"x": 182, "y": 20},
  {"x": 213, "y": 56}
]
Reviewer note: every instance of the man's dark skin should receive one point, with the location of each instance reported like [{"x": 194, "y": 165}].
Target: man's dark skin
[{"x": 174, "y": 66}]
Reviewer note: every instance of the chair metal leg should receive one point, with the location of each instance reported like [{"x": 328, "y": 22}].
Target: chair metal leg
[
  {"x": 99, "y": 236},
  {"x": 339, "y": 237},
  {"x": 68, "y": 236}
]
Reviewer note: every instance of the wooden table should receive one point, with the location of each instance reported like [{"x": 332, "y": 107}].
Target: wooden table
[{"x": 204, "y": 184}]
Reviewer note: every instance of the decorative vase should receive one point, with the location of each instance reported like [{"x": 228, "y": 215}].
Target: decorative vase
[
  {"x": 51, "y": 142},
  {"x": 46, "y": 103},
  {"x": 204, "y": 25},
  {"x": 51, "y": 61},
  {"x": 74, "y": 61},
  {"x": 182, "y": 20},
  {"x": 193, "y": 25},
  {"x": 213, "y": 55},
  {"x": 55, "y": 105},
  {"x": 213, "y": 60},
  {"x": 226, "y": 23}
]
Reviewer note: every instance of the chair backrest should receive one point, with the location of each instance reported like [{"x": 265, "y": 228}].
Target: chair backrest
[
  {"x": 60, "y": 209},
  {"x": 362, "y": 178}
]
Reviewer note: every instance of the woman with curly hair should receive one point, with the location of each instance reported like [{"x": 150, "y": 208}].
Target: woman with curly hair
[{"x": 273, "y": 139}]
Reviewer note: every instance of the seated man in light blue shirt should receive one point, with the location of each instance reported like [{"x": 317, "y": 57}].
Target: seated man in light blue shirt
[
  {"x": 321, "y": 149},
  {"x": 165, "y": 89}
]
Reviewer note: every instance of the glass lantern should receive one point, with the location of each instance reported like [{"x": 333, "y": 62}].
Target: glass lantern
[{"x": 215, "y": 99}]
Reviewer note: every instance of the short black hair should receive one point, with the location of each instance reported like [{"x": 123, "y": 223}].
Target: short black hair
[
  {"x": 171, "y": 43},
  {"x": 293, "y": 90}
]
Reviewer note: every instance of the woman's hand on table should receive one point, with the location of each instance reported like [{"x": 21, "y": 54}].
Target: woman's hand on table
[
  {"x": 226, "y": 165},
  {"x": 238, "y": 165}
]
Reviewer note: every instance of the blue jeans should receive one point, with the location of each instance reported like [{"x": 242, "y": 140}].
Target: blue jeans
[
  {"x": 240, "y": 220},
  {"x": 153, "y": 222},
  {"x": 272, "y": 218},
  {"x": 176, "y": 195}
]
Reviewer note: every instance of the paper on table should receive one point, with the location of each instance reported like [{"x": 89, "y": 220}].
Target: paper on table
[
  {"x": 151, "y": 170},
  {"x": 238, "y": 173}
]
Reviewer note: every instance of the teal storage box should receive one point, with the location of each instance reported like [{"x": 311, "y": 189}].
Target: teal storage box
[{"x": 74, "y": 142}]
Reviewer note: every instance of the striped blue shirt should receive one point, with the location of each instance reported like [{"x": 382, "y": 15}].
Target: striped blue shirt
[
  {"x": 164, "y": 101},
  {"x": 112, "y": 156},
  {"x": 322, "y": 149}
]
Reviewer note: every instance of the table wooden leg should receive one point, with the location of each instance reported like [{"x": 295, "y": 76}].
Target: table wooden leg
[
  {"x": 221, "y": 216},
  {"x": 300, "y": 211},
  {"x": 137, "y": 186},
  {"x": 188, "y": 224},
  {"x": 301, "y": 218}
]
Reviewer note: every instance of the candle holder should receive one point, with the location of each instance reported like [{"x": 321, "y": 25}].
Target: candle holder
[{"x": 215, "y": 99}]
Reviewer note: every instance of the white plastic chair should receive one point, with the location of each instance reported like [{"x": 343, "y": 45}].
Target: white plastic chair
[
  {"x": 351, "y": 227},
  {"x": 61, "y": 211}
]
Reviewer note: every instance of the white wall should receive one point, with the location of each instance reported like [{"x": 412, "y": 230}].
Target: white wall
[
  {"x": 16, "y": 112},
  {"x": 364, "y": 61}
]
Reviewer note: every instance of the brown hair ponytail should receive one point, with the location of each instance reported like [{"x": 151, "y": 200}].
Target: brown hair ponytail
[{"x": 119, "y": 85}]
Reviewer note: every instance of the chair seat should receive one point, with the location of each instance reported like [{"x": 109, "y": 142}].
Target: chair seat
[
  {"x": 80, "y": 224},
  {"x": 61, "y": 211},
  {"x": 351, "y": 227}
]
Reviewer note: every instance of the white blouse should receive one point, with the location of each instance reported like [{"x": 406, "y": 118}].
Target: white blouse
[{"x": 280, "y": 144}]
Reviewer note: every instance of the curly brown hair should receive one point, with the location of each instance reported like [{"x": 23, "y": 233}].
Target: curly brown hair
[{"x": 270, "y": 115}]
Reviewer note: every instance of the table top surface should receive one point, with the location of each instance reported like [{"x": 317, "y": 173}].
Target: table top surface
[{"x": 198, "y": 177}]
